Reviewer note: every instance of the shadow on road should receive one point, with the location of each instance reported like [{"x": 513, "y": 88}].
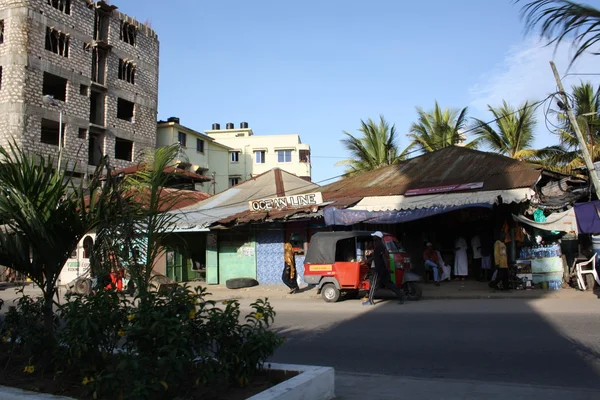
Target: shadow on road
[{"x": 481, "y": 340}]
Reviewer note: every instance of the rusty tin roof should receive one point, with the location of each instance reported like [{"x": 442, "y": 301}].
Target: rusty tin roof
[{"x": 449, "y": 166}]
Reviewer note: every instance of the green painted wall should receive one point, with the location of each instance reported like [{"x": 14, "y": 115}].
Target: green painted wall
[
  {"x": 237, "y": 256},
  {"x": 212, "y": 259}
]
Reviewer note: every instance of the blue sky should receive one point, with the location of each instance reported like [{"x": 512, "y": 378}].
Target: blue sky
[{"x": 317, "y": 67}]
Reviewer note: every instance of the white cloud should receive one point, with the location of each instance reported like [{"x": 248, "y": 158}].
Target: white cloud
[{"x": 525, "y": 74}]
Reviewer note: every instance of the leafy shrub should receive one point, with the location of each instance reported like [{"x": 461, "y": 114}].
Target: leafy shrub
[
  {"x": 152, "y": 346},
  {"x": 23, "y": 327},
  {"x": 90, "y": 333}
]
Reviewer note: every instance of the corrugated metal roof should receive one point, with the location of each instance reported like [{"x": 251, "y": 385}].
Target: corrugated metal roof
[
  {"x": 234, "y": 201},
  {"x": 451, "y": 165}
]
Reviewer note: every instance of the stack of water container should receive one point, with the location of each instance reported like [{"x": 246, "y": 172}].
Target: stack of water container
[{"x": 546, "y": 265}]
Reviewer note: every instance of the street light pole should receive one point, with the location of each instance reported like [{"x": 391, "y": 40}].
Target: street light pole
[{"x": 587, "y": 159}]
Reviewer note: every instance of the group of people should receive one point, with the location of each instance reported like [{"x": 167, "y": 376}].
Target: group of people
[{"x": 482, "y": 250}]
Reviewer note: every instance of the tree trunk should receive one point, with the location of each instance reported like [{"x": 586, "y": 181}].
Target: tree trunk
[{"x": 49, "y": 311}]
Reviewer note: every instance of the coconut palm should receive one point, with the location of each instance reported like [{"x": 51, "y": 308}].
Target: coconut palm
[
  {"x": 586, "y": 108},
  {"x": 374, "y": 148},
  {"x": 439, "y": 128},
  {"x": 564, "y": 19},
  {"x": 513, "y": 136}
]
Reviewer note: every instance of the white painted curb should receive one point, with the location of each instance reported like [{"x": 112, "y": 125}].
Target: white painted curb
[
  {"x": 313, "y": 383},
  {"x": 9, "y": 393}
]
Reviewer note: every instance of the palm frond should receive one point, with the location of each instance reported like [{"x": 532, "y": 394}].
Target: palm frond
[{"x": 559, "y": 20}]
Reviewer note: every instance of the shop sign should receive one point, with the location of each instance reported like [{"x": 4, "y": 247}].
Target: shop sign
[
  {"x": 276, "y": 203},
  {"x": 444, "y": 189}
]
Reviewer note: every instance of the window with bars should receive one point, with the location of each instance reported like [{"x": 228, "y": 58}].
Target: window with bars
[
  {"x": 128, "y": 33},
  {"x": 57, "y": 42},
  {"x": 127, "y": 70},
  {"x": 61, "y": 5}
]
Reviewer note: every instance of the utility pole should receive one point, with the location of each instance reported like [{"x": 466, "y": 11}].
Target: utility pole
[
  {"x": 582, "y": 144},
  {"x": 214, "y": 182}
]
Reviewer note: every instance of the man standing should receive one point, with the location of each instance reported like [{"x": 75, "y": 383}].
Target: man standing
[
  {"x": 501, "y": 260},
  {"x": 381, "y": 272}
]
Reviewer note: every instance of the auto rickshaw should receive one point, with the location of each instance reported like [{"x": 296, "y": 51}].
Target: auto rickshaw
[{"x": 336, "y": 264}]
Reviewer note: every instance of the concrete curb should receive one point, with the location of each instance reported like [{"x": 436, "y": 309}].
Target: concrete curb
[
  {"x": 9, "y": 393},
  {"x": 313, "y": 383}
]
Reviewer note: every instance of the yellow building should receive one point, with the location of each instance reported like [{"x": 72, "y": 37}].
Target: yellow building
[
  {"x": 252, "y": 155},
  {"x": 199, "y": 153}
]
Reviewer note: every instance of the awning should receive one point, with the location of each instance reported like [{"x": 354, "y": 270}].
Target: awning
[
  {"x": 348, "y": 217},
  {"x": 563, "y": 222},
  {"x": 386, "y": 203}
]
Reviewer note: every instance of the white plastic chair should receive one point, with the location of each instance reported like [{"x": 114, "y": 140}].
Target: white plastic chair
[{"x": 580, "y": 271}]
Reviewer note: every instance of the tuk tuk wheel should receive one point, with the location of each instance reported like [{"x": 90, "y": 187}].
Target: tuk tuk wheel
[{"x": 330, "y": 293}]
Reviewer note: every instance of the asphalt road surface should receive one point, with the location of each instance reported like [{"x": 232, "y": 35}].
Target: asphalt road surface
[{"x": 545, "y": 342}]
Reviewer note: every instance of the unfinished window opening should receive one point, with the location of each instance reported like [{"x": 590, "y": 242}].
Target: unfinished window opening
[
  {"x": 95, "y": 147},
  {"x": 123, "y": 149},
  {"x": 83, "y": 90},
  {"x": 128, "y": 33},
  {"x": 127, "y": 70},
  {"x": 82, "y": 133},
  {"x": 50, "y": 132},
  {"x": 61, "y": 5},
  {"x": 97, "y": 101},
  {"x": 57, "y": 42},
  {"x": 99, "y": 57},
  {"x": 125, "y": 109},
  {"x": 55, "y": 86},
  {"x": 1, "y": 31},
  {"x": 0, "y": 77},
  {"x": 101, "y": 23}
]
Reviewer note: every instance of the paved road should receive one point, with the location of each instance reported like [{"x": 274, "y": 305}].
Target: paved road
[
  {"x": 451, "y": 349},
  {"x": 553, "y": 343}
]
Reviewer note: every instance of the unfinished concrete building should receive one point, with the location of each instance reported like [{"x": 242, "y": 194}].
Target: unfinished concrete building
[{"x": 86, "y": 61}]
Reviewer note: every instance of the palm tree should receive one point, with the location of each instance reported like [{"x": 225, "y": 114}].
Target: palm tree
[
  {"x": 375, "y": 147},
  {"x": 586, "y": 108},
  {"x": 514, "y": 134},
  {"x": 44, "y": 217},
  {"x": 438, "y": 128},
  {"x": 564, "y": 19}
]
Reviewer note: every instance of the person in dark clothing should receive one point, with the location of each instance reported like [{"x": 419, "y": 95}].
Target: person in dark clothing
[
  {"x": 289, "y": 268},
  {"x": 380, "y": 276}
]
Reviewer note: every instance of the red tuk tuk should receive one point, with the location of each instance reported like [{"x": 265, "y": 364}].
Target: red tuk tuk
[{"x": 336, "y": 264}]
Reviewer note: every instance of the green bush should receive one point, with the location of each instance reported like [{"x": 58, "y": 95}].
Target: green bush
[
  {"x": 154, "y": 345},
  {"x": 23, "y": 327}
]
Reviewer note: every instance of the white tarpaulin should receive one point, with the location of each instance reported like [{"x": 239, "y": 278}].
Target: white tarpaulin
[
  {"x": 388, "y": 203},
  {"x": 563, "y": 222}
]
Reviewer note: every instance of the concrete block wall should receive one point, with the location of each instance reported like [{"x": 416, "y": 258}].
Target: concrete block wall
[{"x": 24, "y": 60}]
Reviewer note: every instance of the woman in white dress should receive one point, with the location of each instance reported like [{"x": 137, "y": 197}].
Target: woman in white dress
[{"x": 461, "y": 263}]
